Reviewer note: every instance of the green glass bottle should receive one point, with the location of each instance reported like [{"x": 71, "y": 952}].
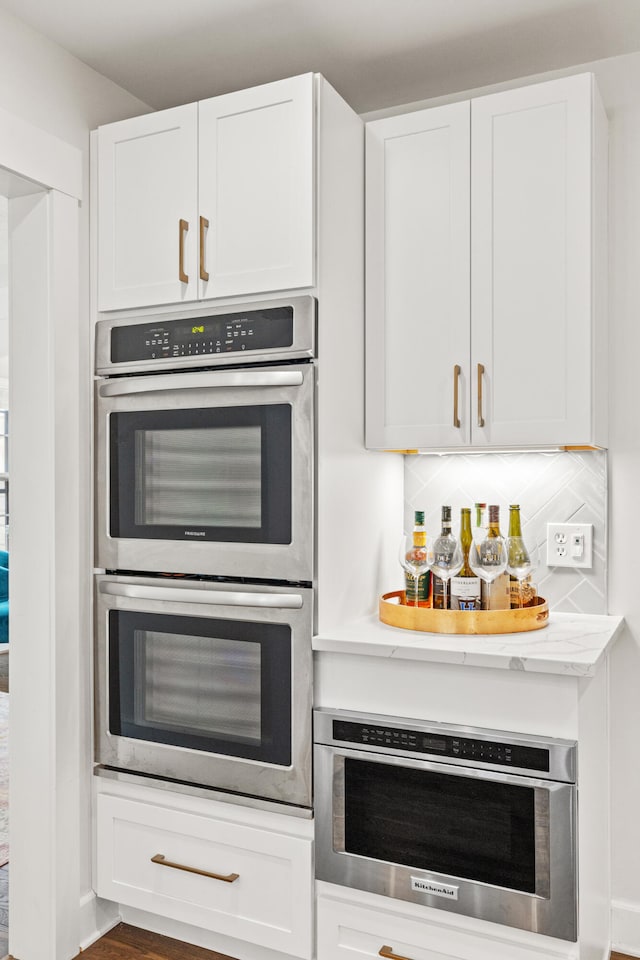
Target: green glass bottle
[
  {"x": 497, "y": 594},
  {"x": 521, "y": 595},
  {"x": 466, "y": 587}
]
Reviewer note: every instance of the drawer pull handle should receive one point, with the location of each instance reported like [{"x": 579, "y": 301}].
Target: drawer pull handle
[
  {"x": 159, "y": 858},
  {"x": 390, "y": 955}
]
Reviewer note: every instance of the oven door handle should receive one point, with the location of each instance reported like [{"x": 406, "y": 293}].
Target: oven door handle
[
  {"x": 198, "y": 381},
  {"x": 227, "y": 598}
]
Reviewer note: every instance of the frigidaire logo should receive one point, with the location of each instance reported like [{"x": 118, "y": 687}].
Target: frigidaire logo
[
  {"x": 437, "y": 889},
  {"x": 194, "y": 533}
]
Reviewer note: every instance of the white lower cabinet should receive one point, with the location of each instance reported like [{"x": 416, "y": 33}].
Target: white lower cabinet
[
  {"x": 355, "y": 926},
  {"x": 253, "y": 884}
]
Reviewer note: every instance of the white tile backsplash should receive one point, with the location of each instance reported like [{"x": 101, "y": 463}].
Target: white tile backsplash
[{"x": 561, "y": 487}]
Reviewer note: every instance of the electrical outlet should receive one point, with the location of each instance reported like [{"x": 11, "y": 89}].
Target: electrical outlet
[{"x": 570, "y": 545}]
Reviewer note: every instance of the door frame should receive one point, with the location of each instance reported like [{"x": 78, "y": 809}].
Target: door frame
[{"x": 48, "y": 583}]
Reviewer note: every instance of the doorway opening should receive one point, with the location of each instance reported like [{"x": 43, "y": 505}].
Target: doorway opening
[{"x": 11, "y": 187}]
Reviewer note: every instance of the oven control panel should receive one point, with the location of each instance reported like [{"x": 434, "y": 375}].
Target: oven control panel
[
  {"x": 252, "y": 330},
  {"x": 441, "y": 745}
]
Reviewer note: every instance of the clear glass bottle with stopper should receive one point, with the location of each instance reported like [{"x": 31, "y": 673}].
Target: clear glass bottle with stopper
[{"x": 480, "y": 526}]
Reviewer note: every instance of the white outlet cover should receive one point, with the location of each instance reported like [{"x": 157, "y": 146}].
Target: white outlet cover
[{"x": 570, "y": 545}]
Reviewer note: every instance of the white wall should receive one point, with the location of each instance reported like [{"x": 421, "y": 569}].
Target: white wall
[
  {"x": 45, "y": 86},
  {"x": 619, "y": 82}
]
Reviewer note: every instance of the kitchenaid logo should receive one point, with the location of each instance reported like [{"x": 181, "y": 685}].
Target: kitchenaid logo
[
  {"x": 194, "y": 533},
  {"x": 437, "y": 889}
]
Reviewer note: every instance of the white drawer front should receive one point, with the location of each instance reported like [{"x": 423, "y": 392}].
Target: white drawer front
[
  {"x": 269, "y": 903},
  {"x": 351, "y": 931}
]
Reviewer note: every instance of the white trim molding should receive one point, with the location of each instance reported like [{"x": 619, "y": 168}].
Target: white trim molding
[
  {"x": 625, "y": 927},
  {"x": 35, "y": 155},
  {"x": 47, "y": 574}
]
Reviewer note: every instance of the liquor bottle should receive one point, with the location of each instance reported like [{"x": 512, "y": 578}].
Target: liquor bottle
[
  {"x": 418, "y": 552},
  {"x": 518, "y": 591},
  {"x": 480, "y": 528},
  {"x": 466, "y": 588},
  {"x": 437, "y": 584},
  {"x": 497, "y": 594}
]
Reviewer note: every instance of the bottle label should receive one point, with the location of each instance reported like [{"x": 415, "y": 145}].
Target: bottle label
[
  {"x": 498, "y": 593},
  {"x": 438, "y": 593},
  {"x": 423, "y": 587},
  {"x": 465, "y": 593}
]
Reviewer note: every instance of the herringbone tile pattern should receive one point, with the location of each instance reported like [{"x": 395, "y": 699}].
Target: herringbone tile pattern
[{"x": 550, "y": 488}]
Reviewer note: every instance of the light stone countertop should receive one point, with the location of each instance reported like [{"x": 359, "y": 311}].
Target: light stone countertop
[{"x": 570, "y": 644}]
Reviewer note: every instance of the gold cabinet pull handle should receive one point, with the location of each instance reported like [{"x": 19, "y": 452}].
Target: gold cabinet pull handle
[
  {"x": 480, "y": 375},
  {"x": 228, "y": 878},
  {"x": 204, "y": 226},
  {"x": 456, "y": 385},
  {"x": 184, "y": 226},
  {"x": 388, "y": 952}
]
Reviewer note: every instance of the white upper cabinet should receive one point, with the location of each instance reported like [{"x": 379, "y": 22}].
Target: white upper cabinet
[
  {"x": 208, "y": 200},
  {"x": 417, "y": 255},
  {"x": 256, "y": 189},
  {"x": 148, "y": 209},
  {"x": 531, "y": 337}
]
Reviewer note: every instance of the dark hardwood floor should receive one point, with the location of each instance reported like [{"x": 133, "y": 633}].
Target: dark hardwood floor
[{"x": 130, "y": 943}]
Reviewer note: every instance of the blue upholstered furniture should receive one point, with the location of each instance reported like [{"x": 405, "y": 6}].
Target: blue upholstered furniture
[{"x": 4, "y": 596}]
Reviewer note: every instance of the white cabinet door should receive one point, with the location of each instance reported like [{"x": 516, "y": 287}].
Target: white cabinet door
[
  {"x": 257, "y": 189},
  {"x": 417, "y": 283},
  {"x": 147, "y": 210},
  {"x": 531, "y": 281}
]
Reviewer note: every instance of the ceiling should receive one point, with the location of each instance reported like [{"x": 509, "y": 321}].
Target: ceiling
[{"x": 376, "y": 53}]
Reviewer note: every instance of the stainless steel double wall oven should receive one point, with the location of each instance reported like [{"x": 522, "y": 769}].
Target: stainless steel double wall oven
[{"x": 205, "y": 436}]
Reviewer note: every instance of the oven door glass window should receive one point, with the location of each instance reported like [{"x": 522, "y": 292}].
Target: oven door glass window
[
  {"x": 221, "y": 474},
  {"x": 222, "y": 686},
  {"x": 475, "y": 829}
]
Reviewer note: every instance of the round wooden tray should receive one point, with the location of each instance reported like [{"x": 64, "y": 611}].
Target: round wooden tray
[{"x": 393, "y": 611}]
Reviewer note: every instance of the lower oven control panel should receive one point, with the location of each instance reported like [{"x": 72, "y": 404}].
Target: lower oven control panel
[{"x": 441, "y": 745}]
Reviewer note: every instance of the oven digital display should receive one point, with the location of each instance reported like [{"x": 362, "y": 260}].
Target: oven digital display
[{"x": 434, "y": 743}]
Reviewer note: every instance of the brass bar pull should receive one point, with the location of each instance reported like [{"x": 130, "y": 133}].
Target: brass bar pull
[
  {"x": 456, "y": 384},
  {"x": 480, "y": 375},
  {"x": 159, "y": 858},
  {"x": 204, "y": 225},
  {"x": 184, "y": 226},
  {"x": 388, "y": 952}
]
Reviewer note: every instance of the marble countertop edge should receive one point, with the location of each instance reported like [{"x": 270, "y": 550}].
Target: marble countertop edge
[{"x": 571, "y": 644}]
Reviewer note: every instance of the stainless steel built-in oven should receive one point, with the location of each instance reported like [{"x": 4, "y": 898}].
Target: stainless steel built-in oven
[
  {"x": 480, "y": 822},
  {"x": 205, "y": 442},
  {"x": 206, "y": 683}
]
